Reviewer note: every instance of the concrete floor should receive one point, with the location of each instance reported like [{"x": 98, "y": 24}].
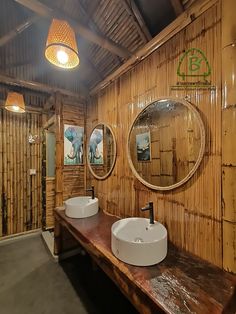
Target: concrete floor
[{"x": 31, "y": 282}]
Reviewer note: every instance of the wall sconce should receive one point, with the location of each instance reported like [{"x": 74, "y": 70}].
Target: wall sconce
[
  {"x": 61, "y": 47},
  {"x": 15, "y": 102}
]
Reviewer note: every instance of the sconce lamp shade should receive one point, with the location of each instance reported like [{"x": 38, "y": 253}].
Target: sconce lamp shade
[
  {"x": 61, "y": 47},
  {"x": 15, "y": 102}
]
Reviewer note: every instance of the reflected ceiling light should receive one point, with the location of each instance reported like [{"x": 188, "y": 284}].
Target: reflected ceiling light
[
  {"x": 61, "y": 47},
  {"x": 15, "y": 102}
]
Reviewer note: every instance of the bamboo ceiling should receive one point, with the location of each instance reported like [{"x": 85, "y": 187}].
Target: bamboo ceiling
[{"x": 124, "y": 25}]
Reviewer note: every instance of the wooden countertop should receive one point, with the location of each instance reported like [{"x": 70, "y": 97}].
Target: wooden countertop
[{"x": 182, "y": 283}]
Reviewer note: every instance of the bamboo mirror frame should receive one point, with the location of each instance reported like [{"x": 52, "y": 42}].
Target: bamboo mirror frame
[
  {"x": 145, "y": 135},
  {"x": 98, "y": 164}
]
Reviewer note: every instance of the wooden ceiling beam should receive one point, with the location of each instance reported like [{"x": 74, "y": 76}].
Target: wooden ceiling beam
[
  {"x": 44, "y": 11},
  {"x": 139, "y": 25},
  {"x": 36, "y": 86},
  {"x": 177, "y": 6},
  {"x": 140, "y": 19},
  {"x": 18, "y": 30}
]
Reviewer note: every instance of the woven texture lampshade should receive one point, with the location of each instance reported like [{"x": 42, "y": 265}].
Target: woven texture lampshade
[
  {"x": 61, "y": 47},
  {"x": 15, "y": 102}
]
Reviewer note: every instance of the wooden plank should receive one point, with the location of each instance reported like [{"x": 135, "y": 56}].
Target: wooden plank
[{"x": 168, "y": 287}]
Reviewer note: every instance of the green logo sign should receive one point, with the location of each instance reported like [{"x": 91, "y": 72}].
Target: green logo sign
[
  {"x": 193, "y": 63},
  {"x": 194, "y": 69}
]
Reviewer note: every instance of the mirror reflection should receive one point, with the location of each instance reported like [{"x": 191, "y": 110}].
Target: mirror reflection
[
  {"x": 101, "y": 151},
  {"x": 166, "y": 143}
]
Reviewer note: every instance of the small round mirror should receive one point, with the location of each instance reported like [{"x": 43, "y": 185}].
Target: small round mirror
[
  {"x": 166, "y": 143},
  {"x": 101, "y": 151}
]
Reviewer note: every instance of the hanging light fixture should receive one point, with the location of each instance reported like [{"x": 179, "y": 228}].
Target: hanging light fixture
[
  {"x": 61, "y": 47},
  {"x": 15, "y": 102}
]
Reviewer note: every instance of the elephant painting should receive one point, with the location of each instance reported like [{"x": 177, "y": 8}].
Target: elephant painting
[
  {"x": 73, "y": 145},
  {"x": 96, "y": 147}
]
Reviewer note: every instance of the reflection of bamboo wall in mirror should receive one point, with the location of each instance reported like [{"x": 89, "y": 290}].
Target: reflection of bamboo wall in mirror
[
  {"x": 174, "y": 145},
  {"x": 21, "y": 197},
  {"x": 192, "y": 213}
]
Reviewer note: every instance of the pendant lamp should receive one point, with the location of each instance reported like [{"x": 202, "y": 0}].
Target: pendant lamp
[
  {"x": 61, "y": 47},
  {"x": 15, "y": 102}
]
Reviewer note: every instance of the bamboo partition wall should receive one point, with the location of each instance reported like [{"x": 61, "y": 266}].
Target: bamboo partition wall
[
  {"x": 193, "y": 212},
  {"x": 21, "y": 195},
  {"x": 70, "y": 180}
]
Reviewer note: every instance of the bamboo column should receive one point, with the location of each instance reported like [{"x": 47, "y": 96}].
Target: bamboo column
[
  {"x": 59, "y": 151},
  {"x": 228, "y": 134}
]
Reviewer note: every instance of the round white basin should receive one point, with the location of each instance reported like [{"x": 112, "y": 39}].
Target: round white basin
[
  {"x": 137, "y": 242},
  {"x": 81, "y": 207}
]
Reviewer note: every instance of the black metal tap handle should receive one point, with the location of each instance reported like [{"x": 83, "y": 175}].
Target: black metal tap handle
[
  {"x": 149, "y": 207},
  {"x": 91, "y": 190}
]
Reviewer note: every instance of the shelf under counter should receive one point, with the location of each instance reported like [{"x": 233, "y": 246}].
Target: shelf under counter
[{"x": 182, "y": 283}]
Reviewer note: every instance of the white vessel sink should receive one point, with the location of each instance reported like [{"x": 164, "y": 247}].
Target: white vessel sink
[
  {"x": 81, "y": 207},
  {"x": 137, "y": 242}
]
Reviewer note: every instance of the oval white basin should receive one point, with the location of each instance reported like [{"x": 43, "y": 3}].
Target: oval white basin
[
  {"x": 137, "y": 242},
  {"x": 81, "y": 207}
]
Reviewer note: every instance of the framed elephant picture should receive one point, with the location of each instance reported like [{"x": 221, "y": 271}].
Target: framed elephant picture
[
  {"x": 143, "y": 146},
  {"x": 73, "y": 144},
  {"x": 96, "y": 147}
]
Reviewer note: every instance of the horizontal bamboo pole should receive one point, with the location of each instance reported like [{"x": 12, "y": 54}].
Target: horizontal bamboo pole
[{"x": 18, "y": 30}]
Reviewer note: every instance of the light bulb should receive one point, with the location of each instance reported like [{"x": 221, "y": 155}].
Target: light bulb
[
  {"x": 62, "y": 57},
  {"x": 15, "y": 108}
]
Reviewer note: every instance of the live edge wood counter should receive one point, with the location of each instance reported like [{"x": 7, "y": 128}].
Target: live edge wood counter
[{"x": 179, "y": 284}]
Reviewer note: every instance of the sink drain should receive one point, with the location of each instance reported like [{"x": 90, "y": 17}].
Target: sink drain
[{"x": 138, "y": 240}]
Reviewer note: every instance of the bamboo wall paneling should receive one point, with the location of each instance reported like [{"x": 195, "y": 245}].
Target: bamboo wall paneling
[
  {"x": 192, "y": 213},
  {"x": 21, "y": 193},
  {"x": 50, "y": 202},
  {"x": 228, "y": 134}
]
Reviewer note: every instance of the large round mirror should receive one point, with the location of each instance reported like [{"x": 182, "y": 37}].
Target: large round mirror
[
  {"x": 166, "y": 143},
  {"x": 101, "y": 151}
]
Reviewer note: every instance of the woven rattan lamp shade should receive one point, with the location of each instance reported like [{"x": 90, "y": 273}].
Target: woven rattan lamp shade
[
  {"x": 61, "y": 47},
  {"x": 15, "y": 102}
]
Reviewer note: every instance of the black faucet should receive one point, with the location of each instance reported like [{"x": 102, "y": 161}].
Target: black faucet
[
  {"x": 91, "y": 190},
  {"x": 149, "y": 207}
]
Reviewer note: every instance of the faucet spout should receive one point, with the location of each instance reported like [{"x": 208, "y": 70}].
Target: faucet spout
[
  {"x": 91, "y": 190},
  {"x": 149, "y": 207}
]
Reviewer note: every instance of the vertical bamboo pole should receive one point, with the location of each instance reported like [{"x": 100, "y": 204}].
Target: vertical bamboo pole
[
  {"x": 59, "y": 151},
  {"x": 228, "y": 134},
  {"x": 1, "y": 170}
]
